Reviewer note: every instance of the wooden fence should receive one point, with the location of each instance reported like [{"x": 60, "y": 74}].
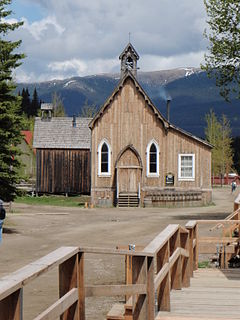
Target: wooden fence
[{"x": 166, "y": 263}]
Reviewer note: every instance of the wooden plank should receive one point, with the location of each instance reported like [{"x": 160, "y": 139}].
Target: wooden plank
[
  {"x": 68, "y": 276},
  {"x": 59, "y": 306},
  {"x": 160, "y": 240},
  {"x": 81, "y": 287},
  {"x": 21, "y": 277},
  {"x": 115, "y": 290},
  {"x": 115, "y": 251},
  {"x": 11, "y": 306},
  {"x": 116, "y": 312},
  {"x": 191, "y": 224},
  {"x": 150, "y": 289}
]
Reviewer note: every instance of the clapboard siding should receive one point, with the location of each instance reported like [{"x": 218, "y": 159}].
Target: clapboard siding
[
  {"x": 130, "y": 120},
  {"x": 63, "y": 171}
]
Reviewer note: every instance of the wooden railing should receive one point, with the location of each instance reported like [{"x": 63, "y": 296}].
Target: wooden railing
[{"x": 166, "y": 263}]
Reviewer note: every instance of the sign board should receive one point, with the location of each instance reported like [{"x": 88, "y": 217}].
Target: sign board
[{"x": 169, "y": 179}]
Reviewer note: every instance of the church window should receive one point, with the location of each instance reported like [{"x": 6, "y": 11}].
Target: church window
[
  {"x": 104, "y": 158},
  {"x": 152, "y": 159}
]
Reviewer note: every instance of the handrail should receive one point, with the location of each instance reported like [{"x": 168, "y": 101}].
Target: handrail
[{"x": 166, "y": 262}]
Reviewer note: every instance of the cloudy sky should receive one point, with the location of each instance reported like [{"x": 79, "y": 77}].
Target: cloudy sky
[{"x": 79, "y": 37}]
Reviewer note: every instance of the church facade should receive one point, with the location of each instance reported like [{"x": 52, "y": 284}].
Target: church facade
[{"x": 138, "y": 157}]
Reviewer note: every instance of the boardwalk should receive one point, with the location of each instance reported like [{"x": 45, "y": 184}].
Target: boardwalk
[{"x": 213, "y": 294}]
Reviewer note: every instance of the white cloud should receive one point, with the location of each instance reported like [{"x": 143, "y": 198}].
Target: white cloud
[
  {"x": 38, "y": 28},
  {"x": 86, "y": 37}
]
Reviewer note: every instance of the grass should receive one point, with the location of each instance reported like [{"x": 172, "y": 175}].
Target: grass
[
  {"x": 53, "y": 200},
  {"x": 203, "y": 264}
]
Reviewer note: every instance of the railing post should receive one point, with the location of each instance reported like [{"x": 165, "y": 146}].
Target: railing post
[
  {"x": 185, "y": 260},
  {"x": 195, "y": 251},
  {"x": 81, "y": 287},
  {"x": 163, "y": 293},
  {"x": 139, "y": 276},
  {"x": 150, "y": 289},
  {"x": 190, "y": 249},
  {"x": 11, "y": 306},
  {"x": 176, "y": 271},
  {"x": 68, "y": 279}
]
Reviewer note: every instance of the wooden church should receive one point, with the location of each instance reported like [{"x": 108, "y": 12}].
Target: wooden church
[{"x": 138, "y": 157}]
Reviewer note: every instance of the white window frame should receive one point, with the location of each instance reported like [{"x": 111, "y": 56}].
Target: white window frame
[
  {"x": 152, "y": 174},
  {"x": 100, "y": 173},
  {"x": 180, "y": 178}
]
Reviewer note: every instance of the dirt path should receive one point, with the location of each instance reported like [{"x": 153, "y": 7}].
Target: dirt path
[{"x": 35, "y": 231}]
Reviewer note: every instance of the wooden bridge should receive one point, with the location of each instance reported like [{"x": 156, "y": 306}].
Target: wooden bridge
[{"x": 162, "y": 280}]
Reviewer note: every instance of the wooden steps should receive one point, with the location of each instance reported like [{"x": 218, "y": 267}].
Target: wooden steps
[
  {"x": 213, "y": 294},
  {"x": 128, "y": 200}
]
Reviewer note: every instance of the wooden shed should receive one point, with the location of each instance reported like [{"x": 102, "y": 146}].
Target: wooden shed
[
  {"x": 62, "y": 155},
  {"x": 138, "y": 156}
]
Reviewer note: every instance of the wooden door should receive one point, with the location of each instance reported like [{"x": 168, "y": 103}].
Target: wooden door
[{"x": 128, "y": 172}]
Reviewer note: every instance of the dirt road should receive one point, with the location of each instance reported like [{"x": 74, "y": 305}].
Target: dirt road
[{"x": 32, "y": 232}]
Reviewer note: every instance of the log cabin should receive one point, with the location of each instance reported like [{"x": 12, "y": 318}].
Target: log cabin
[
  {"x": 62, "y": 154},
  {"x": 138, "y": 157}
]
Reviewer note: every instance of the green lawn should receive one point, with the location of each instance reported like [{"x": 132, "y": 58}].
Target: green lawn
[{"x": 73, "y": 201}]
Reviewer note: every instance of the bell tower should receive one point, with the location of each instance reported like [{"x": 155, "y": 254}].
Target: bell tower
[{"x": 129, "y": 58}]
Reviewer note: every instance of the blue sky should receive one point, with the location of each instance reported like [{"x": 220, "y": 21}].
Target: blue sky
[
  {"x": 31, "y": 11},
  {"x": 78, "y": 37}
]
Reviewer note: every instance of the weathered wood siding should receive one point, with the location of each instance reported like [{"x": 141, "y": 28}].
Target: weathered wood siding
[
  {"x": 63, "y": 171},
  {"x": 130, "y": 120}
]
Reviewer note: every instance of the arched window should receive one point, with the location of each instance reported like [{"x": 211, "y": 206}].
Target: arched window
[
  {"x": 152, "y": 159},
  {"x": 104, "y": 159}
]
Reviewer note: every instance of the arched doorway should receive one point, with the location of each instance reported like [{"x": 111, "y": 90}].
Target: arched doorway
[{"x": 129, "y": 175}]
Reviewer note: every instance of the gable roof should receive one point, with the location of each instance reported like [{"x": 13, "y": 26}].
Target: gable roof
[
  {"x": 166, "y": 124},
  {"x": 59, "y": 133},
  {"x": 127, "y": 76},
  {"x": 126, "y": 49}
]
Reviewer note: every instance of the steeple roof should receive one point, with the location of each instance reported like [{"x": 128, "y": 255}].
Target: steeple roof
[{"x": 128, "y": 48}]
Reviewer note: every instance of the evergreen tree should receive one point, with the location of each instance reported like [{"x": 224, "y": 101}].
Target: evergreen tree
[
  {"x": 35, "y": 104},
  {"x": 26, "y": 102},
  {"x": 223, "y": 60},
  {"x": 10, "y": 120},
  {"x": 58, "y": 107},
  {"x": 218, "y": 133}
]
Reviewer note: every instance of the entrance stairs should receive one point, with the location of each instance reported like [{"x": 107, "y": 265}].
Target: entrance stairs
[{"x": 127, "y": 199}]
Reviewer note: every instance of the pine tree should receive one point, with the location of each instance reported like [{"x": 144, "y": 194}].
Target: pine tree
[
  {"x": 35, "y": 105},
  {"x": 10, "y": 120},
  {"x": 26, "y": 102}
]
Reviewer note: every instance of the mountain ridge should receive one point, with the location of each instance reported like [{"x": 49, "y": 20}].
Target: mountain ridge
[{"x": 192, "y": 93}]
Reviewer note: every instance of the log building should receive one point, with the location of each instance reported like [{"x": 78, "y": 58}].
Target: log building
[{"x": 62, "y": 154}]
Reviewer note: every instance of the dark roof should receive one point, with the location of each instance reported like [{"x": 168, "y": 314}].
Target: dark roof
[
  {"x": 166, "y": 124},
  {"x": 59, "y": 133}
]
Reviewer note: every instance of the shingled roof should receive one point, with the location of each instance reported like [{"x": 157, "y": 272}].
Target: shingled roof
[{"x": 59, "y": 133}]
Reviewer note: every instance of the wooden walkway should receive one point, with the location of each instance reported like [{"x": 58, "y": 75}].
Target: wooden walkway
[{"x": 213, "y": 294}]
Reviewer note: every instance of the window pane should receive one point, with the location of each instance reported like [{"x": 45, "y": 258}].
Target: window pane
[
  {"x": 104, "y": 167},
  {"x": 104, "y": 148},
  {"x": 186, "y": 166},
  {"x": 153, "y": 168},
  {"x": 153, "y": 159},
  {"x": 153, "y": 148},
  {"x": 104, "y": 158}
]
